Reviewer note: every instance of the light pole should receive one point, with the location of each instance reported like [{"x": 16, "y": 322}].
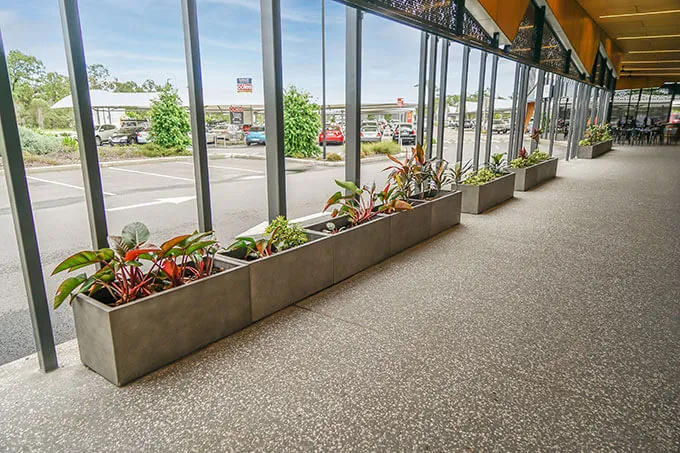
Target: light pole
[{"x": 323, "y": 75}]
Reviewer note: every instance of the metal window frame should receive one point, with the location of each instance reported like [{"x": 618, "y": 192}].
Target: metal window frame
[
  {"x": 443, "y": 75},
  {"x": 480, "y": 110},
  {"x": 538, "y": 109},
  {"x": 431, "y": 95},
  {"x": 353, "y": 31},
  {"x": 461, "y": 104},
  {"x": 422, "y": 82},
  {"x": 492, "y": 99}
]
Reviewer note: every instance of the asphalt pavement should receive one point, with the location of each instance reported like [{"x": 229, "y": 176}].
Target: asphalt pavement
[{"x": 162, "y": 195}]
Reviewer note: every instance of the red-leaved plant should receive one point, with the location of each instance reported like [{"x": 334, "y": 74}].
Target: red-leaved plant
[
  {"x": 133, "y": 268},
  {"x": 362, "y": 205}
]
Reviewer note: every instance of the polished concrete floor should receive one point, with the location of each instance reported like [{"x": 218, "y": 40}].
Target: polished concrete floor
[{"x": 551, "y": 323}]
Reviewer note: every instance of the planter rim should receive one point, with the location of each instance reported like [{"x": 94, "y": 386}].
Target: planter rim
[
  {"x": 489, "y": 182},
  {"x": 595, "y": 144},
  {"x": 531, "y": 166},
  {"x": 109, "y": 308},
  {"x": 347, "y": 230},
  {"x": 243, "y": 262},
  {"x": 440, "y": 194}
]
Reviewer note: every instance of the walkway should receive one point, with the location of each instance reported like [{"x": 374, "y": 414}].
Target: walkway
[{"x": 550, "y": 323}]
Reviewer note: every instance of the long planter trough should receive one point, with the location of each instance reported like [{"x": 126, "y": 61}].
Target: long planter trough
[
  {"x": 593, "y": 151},
  {"x": 286, "y": 277},
  {"x": 126, "y": 342},
  {"x": 408, "y": 228},
  {"x": 356, "y": 248},
  {"x": 477, "y": 199},
  {"x": 528, "y": 177}
]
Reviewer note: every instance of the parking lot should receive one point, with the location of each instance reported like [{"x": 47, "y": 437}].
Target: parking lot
[{"x": 161, "y": 194}]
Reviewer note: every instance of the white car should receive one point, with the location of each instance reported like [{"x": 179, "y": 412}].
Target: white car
[{"x": 103, "y": 133}]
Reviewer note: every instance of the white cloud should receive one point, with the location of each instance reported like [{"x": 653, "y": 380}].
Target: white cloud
[
  {"x": 287, "y": 13},
  {"x": 141, "y": 58}
]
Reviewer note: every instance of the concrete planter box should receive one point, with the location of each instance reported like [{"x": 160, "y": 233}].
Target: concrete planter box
[
  {"x": 409, "y": 228},
  {"x": 477, "y": 199},
  {"x": 284, "y": 278},
  {"x": 359, "y": 247},
  {"x": 528, "y": 177},
  {"x": 126, "y": 342},
  {"x": 445, "y": 210},
  {"x": 593, "y": 151}
]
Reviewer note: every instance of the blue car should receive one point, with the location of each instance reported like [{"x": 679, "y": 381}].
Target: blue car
[{"x": 256, "y": 135}]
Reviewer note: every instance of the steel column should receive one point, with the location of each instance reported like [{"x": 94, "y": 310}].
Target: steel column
[
  {"x": 441, "y": 117},
  {"x": 492, "y": 98},
  {"x": 538, "y": 109},
  {"x": 431, "y": 95},
  {"x": 461, "y": 104},
  {"x": 24, "y": 225},
  {"x": 272, "y": 75},
  {"x": 513, "y": 111},
  {"x": 323, "y": 77},
  {"x": 630, "y": 95},
  {"x": 422, "y": 82},
  {"x": 353, "y": 96},
  {"x": 522, "y": 106},
  {"x": 637, "y": 106},
  {"x": 670, "y": 108},
  {"x": 82, "y": 109},
  {"x": 572, "y": 118},
  {"x": 546, "y": 120},
  {"x": 649, "y": 103},
  {"x": 557, "y": 94},
  {"x": 479, "y": 120},
  {"x": 593, "y": 111},
  {"x": 192, "y": 52}
]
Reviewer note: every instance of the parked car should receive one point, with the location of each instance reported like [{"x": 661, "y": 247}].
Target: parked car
[
  {"x": 209, "y": 137},
  {"x": 407, "y": 133},
  {"x": 103, "y": 133},
  {"x": 500, "y": 127},
  {"x": 125, "y": 136},
  {"x": 144, "y": 136},
  {"x": 468, "y": 124},
  {"x": 256, "y": 135},
  {"x": 333, "y": 135},
  {"x": 370, "y": 134}
]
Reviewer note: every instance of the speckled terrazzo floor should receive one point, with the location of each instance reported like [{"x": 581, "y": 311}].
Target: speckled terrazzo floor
[{"x": 551, "y": 323}]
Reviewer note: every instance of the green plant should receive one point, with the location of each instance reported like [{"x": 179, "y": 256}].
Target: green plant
[
  {"x": 358, "y": 204},
  {"x": 459, "y": 171},
  {"x": 389, "y": 202},
  {"x": 390, "y": 147},
  {"x": 285, "y": 234},
  {"x": 34, "y": 142},
  {"x": 169, "y": 120},
  {"x": 254, "y": 249},
  {"x": 301, "y": 124},
  {"x": 155, "y": 150},
  {"x": 333, "y": 157},
  {"x": 69, "y": 143},
  {"x": 408, "y": 174},
  {"x": 481, "y": 176},
  {"x": 132, "y": 268},
  {"x": 497, "y": 163},
  {"x": 596, "y": 133},
  {"x": 523, "y": 160}
]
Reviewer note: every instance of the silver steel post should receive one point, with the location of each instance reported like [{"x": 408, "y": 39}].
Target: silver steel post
[
  {"x": 557, "y": 94},
  {"x": 353, "y": 96},
  {"x": 513, "y": 111},
  {"x": 272, "y": 74},
  {"x": 443, "y": 74},
  {"x": 522, "y": 105},
  {"x": 461, "y": 104},
  {"x": 593, "y": 111},
  {"x": 492, "y": 100},
  {"x": 538, "y": 109},
  {"x": 24, "y": 225},
  {"x": 192, "y": 52},
  {"x": 422, "y": 82},
  {"x": 323, "y": 76},
  {"x": 431, "y": 95},
  {"x": 480, "y": 110},
  {"x": 82, "y": 109}
]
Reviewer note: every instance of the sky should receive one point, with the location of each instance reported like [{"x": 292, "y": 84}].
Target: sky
[{"x": 143, "y": 39}]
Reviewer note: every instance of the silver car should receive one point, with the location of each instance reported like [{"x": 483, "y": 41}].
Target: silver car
[
  {"x": 371, "y": 134},
  {"x": 103, "y": 133}
]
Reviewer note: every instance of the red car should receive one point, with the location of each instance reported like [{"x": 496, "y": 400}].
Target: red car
[{"x": 333, "y": 135}]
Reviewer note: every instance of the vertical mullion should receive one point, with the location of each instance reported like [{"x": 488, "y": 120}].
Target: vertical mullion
[
  {"x": 82, "y": 109},
  {"x": 24, "y": 224},
  {"x": 480, "y": 110},
  {"x": 596, "y": 100},
  {"x": 572, "y": 119},
  {"x": 422, "y": 81},
  {"x": 492, "y": 100},
  {"x": 557, "y": 94},
  {"x": 431, "y": 94},
  {"x": 272, "y": 74},
  {"x": 353, "y": 96},
  {"x": 199, "y": 140},
  {"x": 442, "y": 98},
  {"x": 538, "y": 109},
  {"x": 513, "y": 111},
  {"x": 461, "y": 104}
]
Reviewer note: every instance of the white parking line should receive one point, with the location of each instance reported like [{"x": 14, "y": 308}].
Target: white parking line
[
  {"x": 222, "y": 167},
  {"x": 179, "y": 178},
  {"x": 63, "y": 184},
  {"x": 252, "y": 177}
]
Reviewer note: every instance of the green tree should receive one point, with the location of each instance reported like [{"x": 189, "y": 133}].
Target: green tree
[
  {"x": 169, "y": 120},
  {"x": 149, "y": 86},
  {"x": 99, "y": 77},
  {"x": 54, "y": 87},
  {"x": 126, "y": 87},
  {"x": 301, "y": 124}
]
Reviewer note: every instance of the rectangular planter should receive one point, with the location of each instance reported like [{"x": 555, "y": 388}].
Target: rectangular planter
[
  {"x": 126, "y": 342},
  {"x": 528, "y": 177},
  {"x": 284, "y": 278},
  {"x": 477, "y": 199},
  {"x": 408, "y": 228},
  {"x": 445, "y": 209},
  {"x": 359, "y": 247},
  {"x": 593, "y": 151}
]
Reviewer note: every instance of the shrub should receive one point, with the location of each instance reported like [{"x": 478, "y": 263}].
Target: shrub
[
  {"x": 69, "y": 143},
  {"x": 333, "y": 157},
  {"x": 154, "y": 150},
  {"x": 301, "y": 124},
  {"x": 483, "y": 175},
  {"x": 34, "y": 142},
  {"x": 525, "y": 160},
  {"x": 390, "y": 147},
  {"x": 169, "y": 120},
  {"x": 284, "y": 234},
  {"x": 596, "y": 133}
]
